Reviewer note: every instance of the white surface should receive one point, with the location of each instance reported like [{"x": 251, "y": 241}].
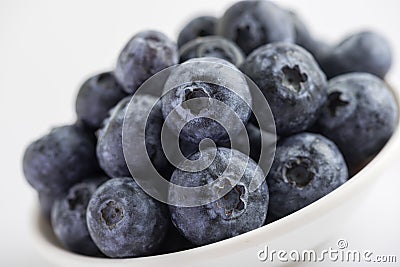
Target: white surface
[{"x": 48, "y": 48}]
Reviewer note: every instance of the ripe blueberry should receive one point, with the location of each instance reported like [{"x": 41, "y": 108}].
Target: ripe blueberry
[
  {"x": 96, "y": 97},
  {"x": 306, "y": 167},
  {"x": 291, "y": 81},
  {"x": 124, "y": 221}
]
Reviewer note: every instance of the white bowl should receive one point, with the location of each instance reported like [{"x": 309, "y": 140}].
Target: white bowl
[{"x": 306, "y": 229}]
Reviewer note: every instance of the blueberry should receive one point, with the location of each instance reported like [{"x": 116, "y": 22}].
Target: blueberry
[
  {"x": 124, "y": 221},
  {"x": 109, "y": 145},
  {"x": 198, "y": 27},
  {"x": 360, "y": 115},
  {"x": 252, "y": 24},
  {"x": 68, "y": 217},
  {"x": 306, "y": 167},
  {"x": 138, "y": 124},
  {"x": 147, "y": 53},
  {"x": 60, "y": 159},
  {"x": 109, "y": 142},
  {"x": 212, "y": 46},
  {"x": 186, "y": 82},
  {"x": 237, "y": 212},
  {"x": 291, "y": 81},
  {"x": 361, "y": 52},
  {"x": 96, "y": 97}
]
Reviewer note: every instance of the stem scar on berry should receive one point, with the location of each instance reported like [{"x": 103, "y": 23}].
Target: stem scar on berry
[
  {"x": 335, "y": 101},
  {"x": 197, "y": 106},
  {"x": 112, "y": 213},
  {"x": 233, "y": 204},
  {"x": 297, "y": 172},
  {"x": 293, "y": 78}
]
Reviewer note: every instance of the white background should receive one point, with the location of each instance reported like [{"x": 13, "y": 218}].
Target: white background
[{"x": 48, "y": 48}]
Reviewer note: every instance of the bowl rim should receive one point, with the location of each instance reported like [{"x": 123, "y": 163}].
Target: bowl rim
[{"x": 257, "y": 236}]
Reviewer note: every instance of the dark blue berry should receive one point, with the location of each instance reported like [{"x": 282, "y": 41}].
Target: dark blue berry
[
  {"x": 360, "y": 115},
  {"x": 237, "y": 212},
  {"x": 68, "y": 217},
  {"x": 109, "y": 145},
  {"x": 96, "y": 97},
  {"x": 212, "y": 46},
  {"x": 147, "y": 53},
  {"x": 109, "y": 142},
  {"x": 124, "y": 221},
  {"x": 291, "y": 81},
  {"x": 60, "y": 159},
  {"x": 198, "y": 27},
  {"x": 251, "y": 24},
  {"x": 230, "y": 88},
  {"x": 306, "y": 167},
  {"x": 361, "y": 52}
]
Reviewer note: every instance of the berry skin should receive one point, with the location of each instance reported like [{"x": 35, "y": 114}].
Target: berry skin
[
  {"x": 291, "y": 81},
  {"x": 109, "y": 145},
  {"x": 237, "y": 212},
  {"x": 124, "y": 221},
  {"x": 360, "y": 115},
  {"x": 212, "y": 46},
  {"x": 230, "y": 88},
  {"x": 60, "y": 159},
  {"x": 109, "y": 142},
  {"x": 361, "y": 52},
  {"x": 306, "y": 167},
  {"x": 147, "y": 53},
  {"x": 251, "y": 24},
  {"x": 68, "y": 217},
  {"x": 198, "y": 27},
  {"x": 96, "y": 97}
]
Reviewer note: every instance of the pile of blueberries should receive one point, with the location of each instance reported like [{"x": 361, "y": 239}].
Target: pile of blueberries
[{"x": 333, "y": 113}]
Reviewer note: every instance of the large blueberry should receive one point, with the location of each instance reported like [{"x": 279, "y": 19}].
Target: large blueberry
[
  {"x": 124, "y": 221},
  {"x": 361, "y": 52},
  {"x": 109, "y": 142},
  {"x": 306, "y": 167},
  {"x": 109, "y": 146},
  {"x": 68, "y": 217},
  {"x": 201, "y": 91},
  {"x": 60, "y": 159},
  {"x": 291, "y": 81},
  {"x": 147, "y": 53},
  {"x": 197, "y": 27},
  {"x": 360, "y": 115},
  {"x": 96, "y": 97},
  {"x": 252, "y": 24},
  {"x": 212, "y": 46},
  {"x": 237, "y": 212}
]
